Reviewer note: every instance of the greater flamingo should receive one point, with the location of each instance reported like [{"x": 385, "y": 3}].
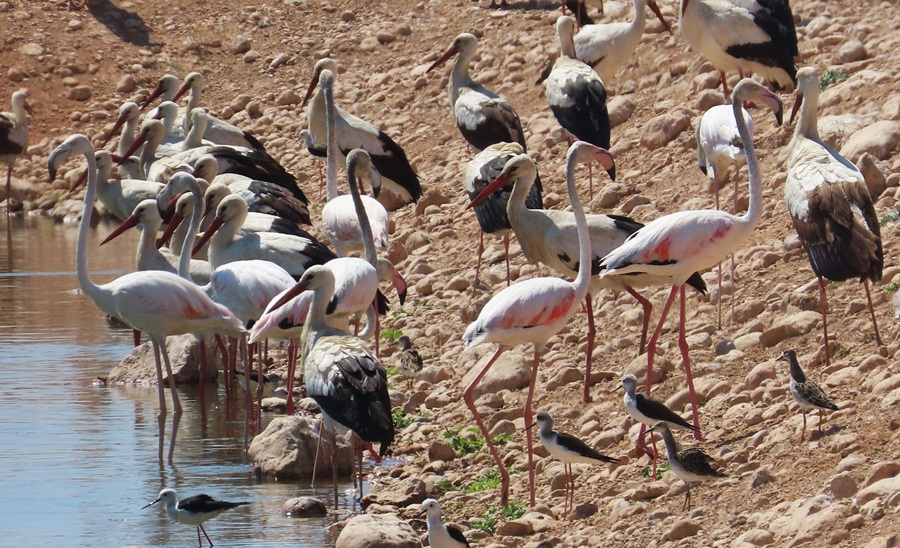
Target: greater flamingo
[
  {"x": 679, "y": 244},
  {"x": 533, "y": 311}
]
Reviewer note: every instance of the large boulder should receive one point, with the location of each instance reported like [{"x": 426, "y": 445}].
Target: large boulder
[
  {"x": 396, "y": 492},
  {"x": 377, "y": 531},
  {"x": 286, "y": 449},
  {"x": 139, "y": 367}
]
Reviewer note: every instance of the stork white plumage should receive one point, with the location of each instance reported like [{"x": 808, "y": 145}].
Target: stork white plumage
[
  {"x": 748, "y": 36},
  {"x": 14, "y": 136},
  {"x": 341, "y": 373},
  {"x": 147, "y": 219},
  {"x": 679, "y": 244},
  {"x": 483, "y": 117},
  {"x": 120, "y": 196},
  {"x": 531, "y": 312},
  {"x": 491, "y": 212},
  {"x": 127, "y": 122},
  {"x": 268, "y": 200},
  {"x": 398, "y": 178},
  {"x": 550, "y": 237},
  {"x": 157, "y": 303},
  {"x": 830, "y": 206},
  {"x": 293, "y": 253},
  {"x": 576, "y": 94},
  {"x": 342, "y": 223},
  {"x": 608, "y": 47},
  {"x": 719, "y": 147}
]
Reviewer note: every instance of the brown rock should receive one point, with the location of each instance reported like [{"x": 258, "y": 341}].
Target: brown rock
[
  {"x": 682, "y": 529},
  {"x": 515, "y": 528},
  {"x": 881, "y": 140},
  {"x": 80, "y": 93},
  {"x": 396, "y": 492},
  {"x": 304, "y": 507},
  {"x": 661, "y": 130},
  {"x": 843, "y": 485},
  {"x": 139, "y": 367},
  {"x": 284, "y": 449},
  {"x": 794, "y": 325},
  {"x": 440, "y": 450},
  {"x": 377, "y": 531}
]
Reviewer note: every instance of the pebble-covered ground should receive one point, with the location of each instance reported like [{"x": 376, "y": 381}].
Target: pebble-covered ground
[{"x": 840, "y": 487}]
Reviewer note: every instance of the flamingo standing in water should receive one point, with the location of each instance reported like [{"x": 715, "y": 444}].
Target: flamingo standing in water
[
  {"x": 534, "y": 310},
  {"x": 682, "y": 243},
  {"x": 830, "y": 206},
  {"x": 155, "y": 302}
]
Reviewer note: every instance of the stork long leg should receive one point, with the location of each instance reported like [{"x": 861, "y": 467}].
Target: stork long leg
[
  {"x": 312, "y": 480},
  {"x": 586, "y": 398},
  {"x": 480, "y": 251},
  {"x": 470, "y": 403},
  {"x": 648, "y": 307},
  {"x": 136, "y": 333},
  {"x": 872, "y": 312},
  {"x": 9, "y": 189},
  {"x": 823, "y": 303},
  {"x": 292, "y": 365},
  {"x": 682, "y": 344},
  {"x": 529, "y": 419}
]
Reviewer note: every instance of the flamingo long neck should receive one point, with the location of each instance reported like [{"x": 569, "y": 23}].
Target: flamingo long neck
[
  {"x": 460, "y": 78},
  {"x": 194, "y": 137},
  {"x": 808, "y": 125},
  {"x": 88, "y": 287},
  {"x": 365, "y": 227},
  {"x": 582, "y": 280},
  {"x": 184, "y": 259},
  {"x": 326, "y": 82},
  {"x": 755, "y": 208}
]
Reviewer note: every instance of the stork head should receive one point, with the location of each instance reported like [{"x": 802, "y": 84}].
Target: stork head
[
  {"x": 465, "y": 43},
  {"x": 145, "y": 214},
  {"x": 322, "y": 64},
  {"x": 807, "y": 82},
  {"x": 166, "y": 86},
  {"x": 127, "y": 112},
  {"x": 518, "y": 167},
  {"x": 22, "y": 96},
  {"x": 193, "y": 81}
]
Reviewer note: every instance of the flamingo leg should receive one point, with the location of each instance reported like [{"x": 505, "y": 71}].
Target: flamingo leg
[
  {"x": 682, "y": 344},
  {"x": 480, "y": 251},
  {"x": 159, "y": 384},
  {"x": 292, "y": 364},
  {"x": 872, "y": 312},
  {"x": 648, "y": 307},
  {"x": 202, "y": 364},
  {"x": 529, "y": 419},
  {"x": 823, "y": 302},
  {"x": 259, "y": 386},
  {"x": 136, "y": 333},
  {"x": 248, "y": 400},
  {"x": 165, "y": 355},
  {"x": 592, "y": 332},
  {"x": 651, "y": 345},
  {"x": 470, "y": 403},
  {"x": 725, "y": 86},
  {"x": 733, "y": 278},
  {"x": 506, "y": 247},
  {"x": 719, "y": 298},
  {"x": 334, "y": 473}
]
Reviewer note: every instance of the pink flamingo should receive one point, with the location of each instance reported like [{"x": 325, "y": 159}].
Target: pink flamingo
[
  {"x": 534, "y": 310},
  {"x": 682, "y": 243}
]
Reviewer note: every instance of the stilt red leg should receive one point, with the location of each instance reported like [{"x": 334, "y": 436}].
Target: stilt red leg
[
  {"x": 529, "y": 420},
  {"x": 872, "y": 312},
  {"x": 823, "y": 302},
  {"x": 682, "y": 344},
  {"x": 648, "y": 307},
  {"x": 592, "y": 332},
  {"x": 470, "y": 403}
]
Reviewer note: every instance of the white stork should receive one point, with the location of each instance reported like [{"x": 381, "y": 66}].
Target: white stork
[
  {"x": 398, "y": 178},
  {"x": 743, "y": 35},
  {"x": 830, "y": 205},
  {"x": 14, "y": 136}
]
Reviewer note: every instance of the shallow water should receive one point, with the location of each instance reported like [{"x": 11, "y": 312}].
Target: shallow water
[{"x": 81, "y": 460}]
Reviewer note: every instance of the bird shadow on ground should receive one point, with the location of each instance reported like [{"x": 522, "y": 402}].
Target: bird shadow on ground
[
  {"x": 125, "y": 25},
  {"x": 529, "y": 5},
  {"x": 830, "y": 431}
]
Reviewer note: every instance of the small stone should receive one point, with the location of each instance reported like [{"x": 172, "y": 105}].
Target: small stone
[
  {"x": 620, "y": 110},
  {"x": 80, "y": 93},
  {"x": 253, "y": 108},
  {"x": 584, "y": 511},
  {"x": 661, "y": 130},
  {"x": 32, "y": 49},
  {"x": 279, "y": 60},
  {"x": 851, "y": 51},
  {"x": 240, "y": 45},
  {"x": 757, "y": 537},
  {"x": 15, "y": 75},
  {"x": 369, "y": 44},
  {"x": 348, "y": 16},
  {"x": 287, "y": 97},
  {"x": 515, "y": 528},
  {"x": 843, "y": 486},
  {"x": 252, "y": 56},
  {"x": 74, "y": 24},
  {"x": 440, "y": 450},
  {"x": 126, "y": 84},
  {"x": 304, "y": 507},
  {"x": 385, "y": 37},
  {"x": 761, "y": 477},
  {"x": 709, "y": 98},
  {"x": 682, "y": 529}
]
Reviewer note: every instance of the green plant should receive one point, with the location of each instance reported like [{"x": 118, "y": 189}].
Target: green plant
[
  {"x": 401, "y": 419},
  {"x": 502, "y": 439},
  {"x": 514, "y": 510},
  {"x": 391, "y": 371},
  {"x": 892, "y": 287},
  {"x": 891, "y": 217},
  {"x": 660, "y": 470},
  {"x": 391, "y": 335},
  {"x": 489, "y": 481},
  {"x": 494, "y": 514},
  {"x": 832, "y": 76},
  {"x": 461, "y": 444},
  {"x": 487, "y": 522},
  {"x": 443, "y": 486}
]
